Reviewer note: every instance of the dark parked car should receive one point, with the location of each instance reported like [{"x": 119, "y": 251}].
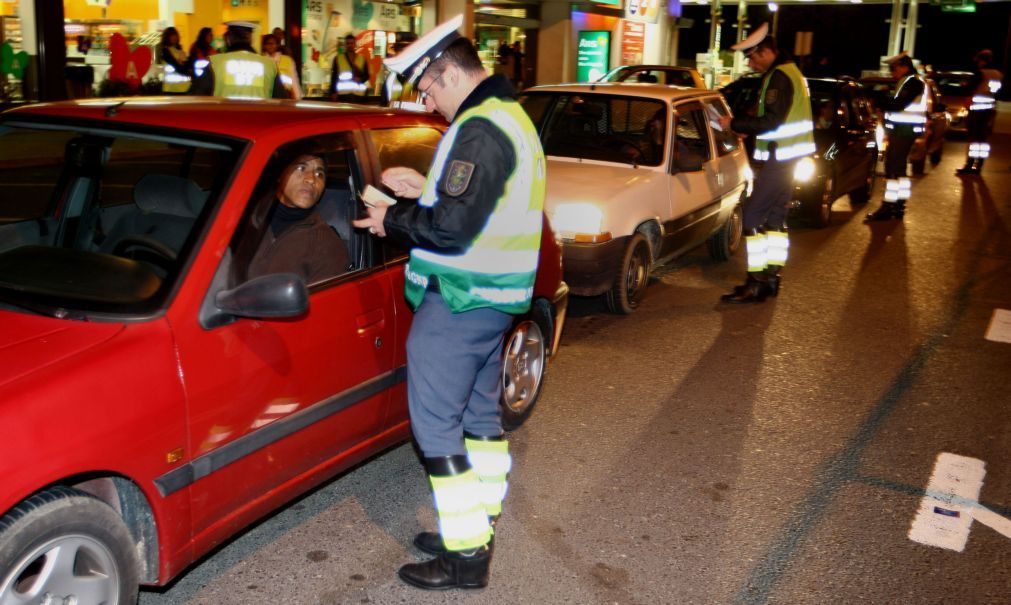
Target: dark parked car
[
  {"x": 844, "y": 135},
  {"x": 931, "y": 144},
  {"x": 956, "y": 94}
]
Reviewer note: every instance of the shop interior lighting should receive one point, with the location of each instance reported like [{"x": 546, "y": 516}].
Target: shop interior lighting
[{"x": 773, "y": 7}]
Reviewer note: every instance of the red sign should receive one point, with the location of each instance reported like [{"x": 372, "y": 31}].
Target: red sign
[
  {"x": 633, "y": 40},
  {"x": 127, "y": 66}
]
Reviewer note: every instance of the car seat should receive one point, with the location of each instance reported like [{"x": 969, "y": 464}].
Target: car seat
[{"x": 166, "y": 210}]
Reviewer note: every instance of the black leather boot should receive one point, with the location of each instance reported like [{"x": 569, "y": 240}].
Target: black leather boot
[
  {"x": 772, "y": 278},
  {"x": 888, "y": 211},
  {"x": 431, "y": 541},
  {"x": 450, "y": 570},
  {"x": 754, "y": 290},
  {"x": 972, "y": 166}
]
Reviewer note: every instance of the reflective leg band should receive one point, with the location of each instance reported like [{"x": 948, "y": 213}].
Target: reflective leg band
[
  {"x": 984, "y": 151},
  {"x": 973, "y": 150},
  {"x": 492, "y": 462},
  {"x": 778, "y": 246},
  {"x": 905, "y": 188},
  {"x": 463, "y": 521},
  {"x": 891, "y": 190},
  {"x": 758, "y": 252}
]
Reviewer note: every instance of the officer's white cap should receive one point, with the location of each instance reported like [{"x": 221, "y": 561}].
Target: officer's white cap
[
  {"x": 896, "y": 58},
  {"x": 241, "y": 25},
  {"x": 760, "y": 33},
  {"x": 412, "y": 61}
]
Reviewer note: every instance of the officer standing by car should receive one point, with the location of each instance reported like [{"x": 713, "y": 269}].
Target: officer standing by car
[
  {"x": 783, "y": 133},
  {"x": 985, "y": 84},
  {"x": 240, "y": 73},
  {"x": 475, "y": 237},
  {"x": 905, "y": 120}
]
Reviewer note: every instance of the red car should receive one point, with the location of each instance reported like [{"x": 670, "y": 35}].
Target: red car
[{"x": 155, "y": 400}]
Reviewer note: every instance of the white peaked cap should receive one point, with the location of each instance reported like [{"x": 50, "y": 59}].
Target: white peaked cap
[
  {"x": 412, "y": 61},
  {"x": 760, "y": 33},
  {"x": 895, "y": 58},
  {"x": 241, "y": 24}
]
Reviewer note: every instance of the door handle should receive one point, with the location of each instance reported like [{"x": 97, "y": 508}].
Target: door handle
[{"x": 370, "y": 321}]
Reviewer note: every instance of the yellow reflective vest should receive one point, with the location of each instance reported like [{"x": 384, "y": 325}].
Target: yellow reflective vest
[
  {"x": 242, "y": 74},
  {"x": 793, "y": 138}
]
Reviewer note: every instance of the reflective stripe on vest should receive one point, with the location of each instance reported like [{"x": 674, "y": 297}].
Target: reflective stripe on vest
[
  {"x": 345, "y": 76},
  {"x": 984, "y": 98},
  {"x": 915, "y": 114},
  {"x": 498, "y": 269},
  {"x": 793, "y": 138},
  {"x": 463, "y": 521},
  {"x": 243, "y": 75},
  {"x": 492, "y": 462}
]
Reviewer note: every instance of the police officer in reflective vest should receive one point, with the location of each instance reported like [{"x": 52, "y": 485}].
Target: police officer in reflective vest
[
  {"x": 475, "y": 236},
  {"x": 905, "y": 120},
  {"x": 349, "y": 74},
  {"x": 784, "y": 132},
  {"x": 240, "y": 73},
  {"x": 985, "y": 84}
]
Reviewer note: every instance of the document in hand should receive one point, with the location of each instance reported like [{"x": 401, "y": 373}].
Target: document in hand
[{"x": 374, "y": 198}]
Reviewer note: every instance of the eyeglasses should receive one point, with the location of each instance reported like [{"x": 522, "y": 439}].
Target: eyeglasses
[{"x": 425, "y": 93}]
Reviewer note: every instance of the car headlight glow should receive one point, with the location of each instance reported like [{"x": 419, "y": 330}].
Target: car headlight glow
[
  {"x": 963, "y": 112},
  {"x": 879, "y": 136},
  {"x": 804, "y": 170},
  {"x": 579, "y": 222}
]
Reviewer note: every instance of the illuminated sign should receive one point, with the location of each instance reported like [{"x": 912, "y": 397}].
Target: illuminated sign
[
  {"x": 593, "y": 55},
  {"x": 642, "y": 10}
]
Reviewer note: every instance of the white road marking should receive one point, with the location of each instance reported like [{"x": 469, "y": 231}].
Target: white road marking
[
  {"x": 999, "y": 524},
  {"x": 999, "y": 329},
  {"x": 946, "y": 511}
]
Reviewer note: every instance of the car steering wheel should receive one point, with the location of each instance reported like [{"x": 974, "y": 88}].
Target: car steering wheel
[{"x": 150, "y": 244}]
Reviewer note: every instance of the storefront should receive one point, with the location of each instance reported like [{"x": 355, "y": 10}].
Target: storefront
[
  {"x": 506, "y": 39},
  {"x": 612, "y": 33},
  {"x": 13, "y": 59}
]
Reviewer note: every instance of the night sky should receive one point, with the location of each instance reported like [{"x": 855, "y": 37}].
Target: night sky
[{"x": 854, "y": 36}]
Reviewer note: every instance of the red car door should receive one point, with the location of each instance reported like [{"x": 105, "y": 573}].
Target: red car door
[{"x": 275, "y": 406}]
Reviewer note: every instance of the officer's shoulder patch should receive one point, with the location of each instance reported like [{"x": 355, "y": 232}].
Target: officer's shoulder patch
[
  {"x": 771, "y": 95},
  {"x": 458, "y": 177}
]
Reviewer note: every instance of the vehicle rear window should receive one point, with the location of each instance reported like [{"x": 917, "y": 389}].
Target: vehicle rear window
[
  {"x": 609, "y": 128},
  {"x": 116, "y": 211}
]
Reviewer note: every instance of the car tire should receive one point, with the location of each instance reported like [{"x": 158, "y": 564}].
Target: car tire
[
  {"x": 862, "y": 194},
  {"x": 935, "y": 156},
  {"x": 727, "y": 239},
  {"x": 820, "y": 212},
  {"x": 524, "y": 357},
  {"x": 632, "y": 276},
  {"x": 918, "y": 166},
  {"x": 64, "y": 537}
]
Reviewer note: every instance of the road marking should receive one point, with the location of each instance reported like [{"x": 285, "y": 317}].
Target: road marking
[
  {"x": 951, "y": 503},
  {"x": 999, "y": 329}
]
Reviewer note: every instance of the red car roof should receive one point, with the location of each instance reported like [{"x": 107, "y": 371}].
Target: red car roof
[{"x": 242, "y": 119}]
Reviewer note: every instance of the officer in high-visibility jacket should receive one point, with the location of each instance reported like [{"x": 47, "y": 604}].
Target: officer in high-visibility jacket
[
  {"x": 905, "y": 121},
  {"x": 784, "y": 133},
  {"x": 475, "y": 236},
  {"x": 349, "y": 73},
  {"x": 240, "y": 73},
  {"x": 985, "y": 83}
]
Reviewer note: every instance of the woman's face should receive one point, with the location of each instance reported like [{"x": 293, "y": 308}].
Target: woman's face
[
  {"x": 208, "y": 37},
  {"x": 173, "y": 39},
  {"x": 302, "y": 183},
  {"x": 270, "y": 46}
]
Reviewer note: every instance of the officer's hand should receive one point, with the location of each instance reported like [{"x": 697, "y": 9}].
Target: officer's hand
[
  {"x": 373, "y": 222},
  {"x": 725, "y": 123},
  {"x": 404, "y": 181}
]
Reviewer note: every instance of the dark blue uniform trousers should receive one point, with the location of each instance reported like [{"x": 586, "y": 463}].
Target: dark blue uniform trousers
[
  {"x": 772, "y": 191},
  {"x": 454, "y": 374}
]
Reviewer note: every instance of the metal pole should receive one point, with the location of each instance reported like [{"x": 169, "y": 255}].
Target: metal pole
[
  {"x": 894, "y": 33},
  {"x": 911, "y": 17}
]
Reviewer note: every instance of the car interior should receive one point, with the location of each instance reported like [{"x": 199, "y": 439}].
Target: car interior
[{"x": 609, "y": 129}]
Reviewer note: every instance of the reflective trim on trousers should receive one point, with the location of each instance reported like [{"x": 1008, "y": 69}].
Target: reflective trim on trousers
[
  {"x": 979, "y": 151},
  {"x": 905, "y": 188},
  {"x": 758, "y": 252},
  {"x": 892, "y": 190},
  {"x": 778, "y": 245},
  {"x": 463, "y": 521},
  {"x": 492, "y": 463}
]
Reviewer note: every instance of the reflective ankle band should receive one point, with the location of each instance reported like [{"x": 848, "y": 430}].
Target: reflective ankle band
[
  {"x": 492, "y": 462},
  {"x": 778, "y": 247},
  {"x": 758, "y": 252},
  {"x": 463, "y": 521}
]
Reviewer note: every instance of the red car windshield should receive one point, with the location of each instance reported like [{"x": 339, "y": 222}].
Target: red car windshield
[{"x": 101, "y": 220}]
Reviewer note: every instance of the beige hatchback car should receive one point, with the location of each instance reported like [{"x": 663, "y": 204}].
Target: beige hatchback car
[{"x": 637, "y": 175}]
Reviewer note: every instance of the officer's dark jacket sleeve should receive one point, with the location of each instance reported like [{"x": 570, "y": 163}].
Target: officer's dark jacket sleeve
[
  {"x": 908, "y": 94},
  {"x": 778, "y": 98},
  {"x": 280, "y": 92},
  {"x": 455, "y": 221},
  {"x": 204, "y": 83}
]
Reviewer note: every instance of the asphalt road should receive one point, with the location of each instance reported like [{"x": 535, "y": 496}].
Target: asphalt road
[{"x": 695, "y": 453}]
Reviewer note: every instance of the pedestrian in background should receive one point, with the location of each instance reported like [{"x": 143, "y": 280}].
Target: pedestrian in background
[
  {"x": 905, "y": 120},
  {"x": 985, "y": 84},
  {"x": 240, "y": 73},
  {"x": 175, "y": 73},
  {"x": 201, "y": 51},
  {"x": 475, "y": 236},
  {"x": 349, "y": 73},
  {"x": 783, "y": 132},
  {"x": 285, "y": 66},
  {"x": 282, "y": 42}
]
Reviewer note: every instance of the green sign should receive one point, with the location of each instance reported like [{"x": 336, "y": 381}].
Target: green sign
[{"x": 593, "y": 55}]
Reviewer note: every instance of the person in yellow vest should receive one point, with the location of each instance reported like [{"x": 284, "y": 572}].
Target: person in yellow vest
[
  {"x": 240, "y": 73},
  {"x": 783, "y": 132},
  {"x": 985, "y": 83},
  {"x": 175, "y": 72},
  {"x": 475, "y": 239},
  {"x": 905, "y": 121},
  {"x": 270, "y": 46},
  {"x": 349, "y": 74}
]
